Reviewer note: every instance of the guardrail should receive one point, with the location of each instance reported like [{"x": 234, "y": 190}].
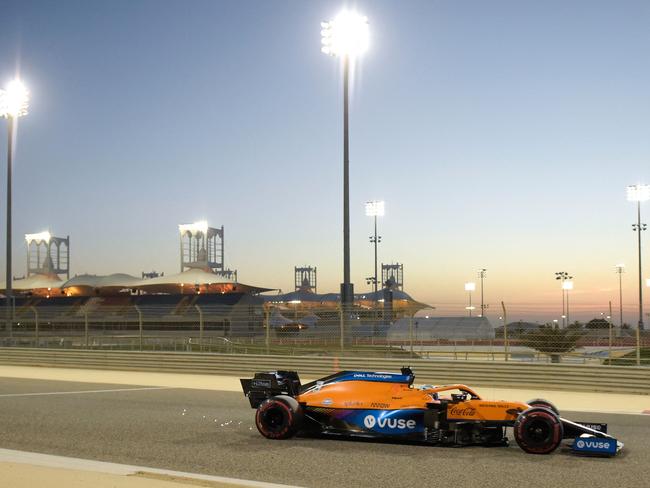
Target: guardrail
[{"x": 618, "y": 379}]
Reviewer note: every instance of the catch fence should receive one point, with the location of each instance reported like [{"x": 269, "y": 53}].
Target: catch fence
[{"x": 353, "y": 332}]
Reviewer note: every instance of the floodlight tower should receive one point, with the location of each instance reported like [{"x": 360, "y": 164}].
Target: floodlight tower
[
  {"x": 14, "y": 101},
  {"x": 639, "y": 193},
  {"x": 620, "y": 269},
  {"x": 305, "y": 278},
  {"x": 566, "y": 285},
  {"x": 481, "y": 274},
  {"x": 469, "y": 288},
  {"x": 346, "y": 37},
  {"x": 47, "y": 254},
  {"x": 374, "y": 209},
  {"x": 202, "y": 247},
  {"x": 393, "y": 274}
]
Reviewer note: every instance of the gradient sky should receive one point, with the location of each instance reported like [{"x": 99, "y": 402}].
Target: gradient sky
[{"x": 500, "y": 134}]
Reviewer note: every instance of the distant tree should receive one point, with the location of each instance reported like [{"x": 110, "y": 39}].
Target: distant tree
[
  {"x": 625, "y": 326},
  {"x": 552, "y": 341},
  {"x": 597, "y": 324}
]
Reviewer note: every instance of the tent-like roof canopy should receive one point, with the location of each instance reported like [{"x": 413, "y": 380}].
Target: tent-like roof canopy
[
  {"x": 310, "y": 298},
  {"x": 84, "y": 284},
  {"x": 188, "y": 281},
  {"x": 37, "y": 282}
]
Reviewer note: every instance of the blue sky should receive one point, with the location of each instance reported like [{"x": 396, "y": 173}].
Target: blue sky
[{"x": 501, "y": 135}]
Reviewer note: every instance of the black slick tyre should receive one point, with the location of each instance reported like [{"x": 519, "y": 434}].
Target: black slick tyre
[
  {"x": 279, "y": 417},
  {"x": 538, "y": 430},
  {"x": 540, "y": 402}
]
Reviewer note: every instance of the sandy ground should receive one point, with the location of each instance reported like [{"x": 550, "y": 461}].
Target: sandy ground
[
  {"x": 578, "y": 401},
  {"x": 17, "y": 475}
]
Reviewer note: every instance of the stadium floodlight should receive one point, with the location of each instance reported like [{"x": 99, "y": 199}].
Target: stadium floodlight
[
  {"x": 375, "y": 208},
  {"x": 639, "y": 193},
  {"x": 14, "y": 101},
  {"x": 194, "y": 228},
  {"x": 347, "y": 35},
  {"x": 44, "y": 236},
  {"x": 567, "y": 285},
  {"x": 470, "y": 286}
]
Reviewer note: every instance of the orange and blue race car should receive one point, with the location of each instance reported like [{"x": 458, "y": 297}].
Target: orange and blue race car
[{"x": 387, "y": 405}]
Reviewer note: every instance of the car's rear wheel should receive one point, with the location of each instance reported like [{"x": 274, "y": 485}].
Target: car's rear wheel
[
  {"x": 538, "y": 430},
  {"x": 540, "y": 402},
  {"x": 279, "y": 417}
]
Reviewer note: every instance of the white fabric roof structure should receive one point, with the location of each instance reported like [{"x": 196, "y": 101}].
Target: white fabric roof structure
[
  {"x": 189, "y": 280},
  {"x": 116, "y": 281},
  {"x": 433, "y": 328},
  {"x": 37, "y": 282}
]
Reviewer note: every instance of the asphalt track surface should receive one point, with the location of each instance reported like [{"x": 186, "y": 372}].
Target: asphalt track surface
[{"x": 213, "y": 432}]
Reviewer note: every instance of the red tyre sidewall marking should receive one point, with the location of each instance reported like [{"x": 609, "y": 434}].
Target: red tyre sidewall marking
[{"x": 264, "y": 408}]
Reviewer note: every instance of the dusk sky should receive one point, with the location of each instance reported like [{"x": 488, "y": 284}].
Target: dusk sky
[{"x": 500, "y": 134}]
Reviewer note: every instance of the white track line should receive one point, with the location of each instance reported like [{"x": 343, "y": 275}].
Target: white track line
[
  {"x": 83, "y": 391},
  {"x": 47, "y": 460}
]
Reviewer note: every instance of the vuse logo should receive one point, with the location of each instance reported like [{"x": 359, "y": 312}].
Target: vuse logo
[{"x": 370, "y": 421}]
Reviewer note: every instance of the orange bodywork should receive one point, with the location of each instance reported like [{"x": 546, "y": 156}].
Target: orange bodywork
[{"x": 397, "y": 396}]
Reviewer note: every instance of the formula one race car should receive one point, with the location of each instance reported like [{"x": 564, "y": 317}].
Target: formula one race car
[{"x": 365, "y": 404}]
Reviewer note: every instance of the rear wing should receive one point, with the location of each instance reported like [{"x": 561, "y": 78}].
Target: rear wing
[{"x": 271, "y": 383}]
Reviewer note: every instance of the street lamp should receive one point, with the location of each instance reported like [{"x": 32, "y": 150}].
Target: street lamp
[
  {"x": 481, "y": 274},
  {"x": 469, "y": 288},
  {"x": 374, "y": 209},
  {"x": 14, "y": 101},
  {"x": 620, "y": 269},
  {"x": 563, "y": 276},
  {"x": 639, "y": 193},
  {"x": 347, "y": 36}
]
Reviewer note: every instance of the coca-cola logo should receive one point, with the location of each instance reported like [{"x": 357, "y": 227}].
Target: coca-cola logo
[{"x": 462, "y": 411}]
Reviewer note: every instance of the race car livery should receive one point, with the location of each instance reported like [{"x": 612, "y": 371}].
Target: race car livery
[{"x": 382, "y": 404}]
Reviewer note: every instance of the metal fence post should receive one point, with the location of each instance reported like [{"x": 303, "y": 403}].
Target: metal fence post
[
  {"x": 342, "y": 326},
  {"x": 638, "y": 346},
  {"x": 33, "y": 309},
  {"x": 267, "y": 331},
  {"x": 140, "y": 328},
  {"x": 609, "y": 348},
  {"x": 86, "y": 328},
  {"x": 411, "y": 334},
  {"x": 505, "y": 331},
  {"x": 200, "y": 327}
]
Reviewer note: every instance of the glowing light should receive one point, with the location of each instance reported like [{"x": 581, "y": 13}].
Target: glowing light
[
  {"x": 638, "y": 193},
  {"x": 194, "y": 228},
  {"x": 647, "y": 282},
  {"x": 295, "y": 302},
  {"x": 470, "y": 286},
  {"x": 14, "y": 100},
  {"x": 567, "y": 285},
  {"x": 375, "y": 208},
  {"x": 347, "y": 35},
  {"x": 38, "y": 237}
]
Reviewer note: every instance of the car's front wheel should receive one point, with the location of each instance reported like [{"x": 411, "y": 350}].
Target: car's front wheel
[
  {"x": 538, "y": 430},
  {"x": 279, "y": 417},
  {"x": 540, "y": 402}
]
